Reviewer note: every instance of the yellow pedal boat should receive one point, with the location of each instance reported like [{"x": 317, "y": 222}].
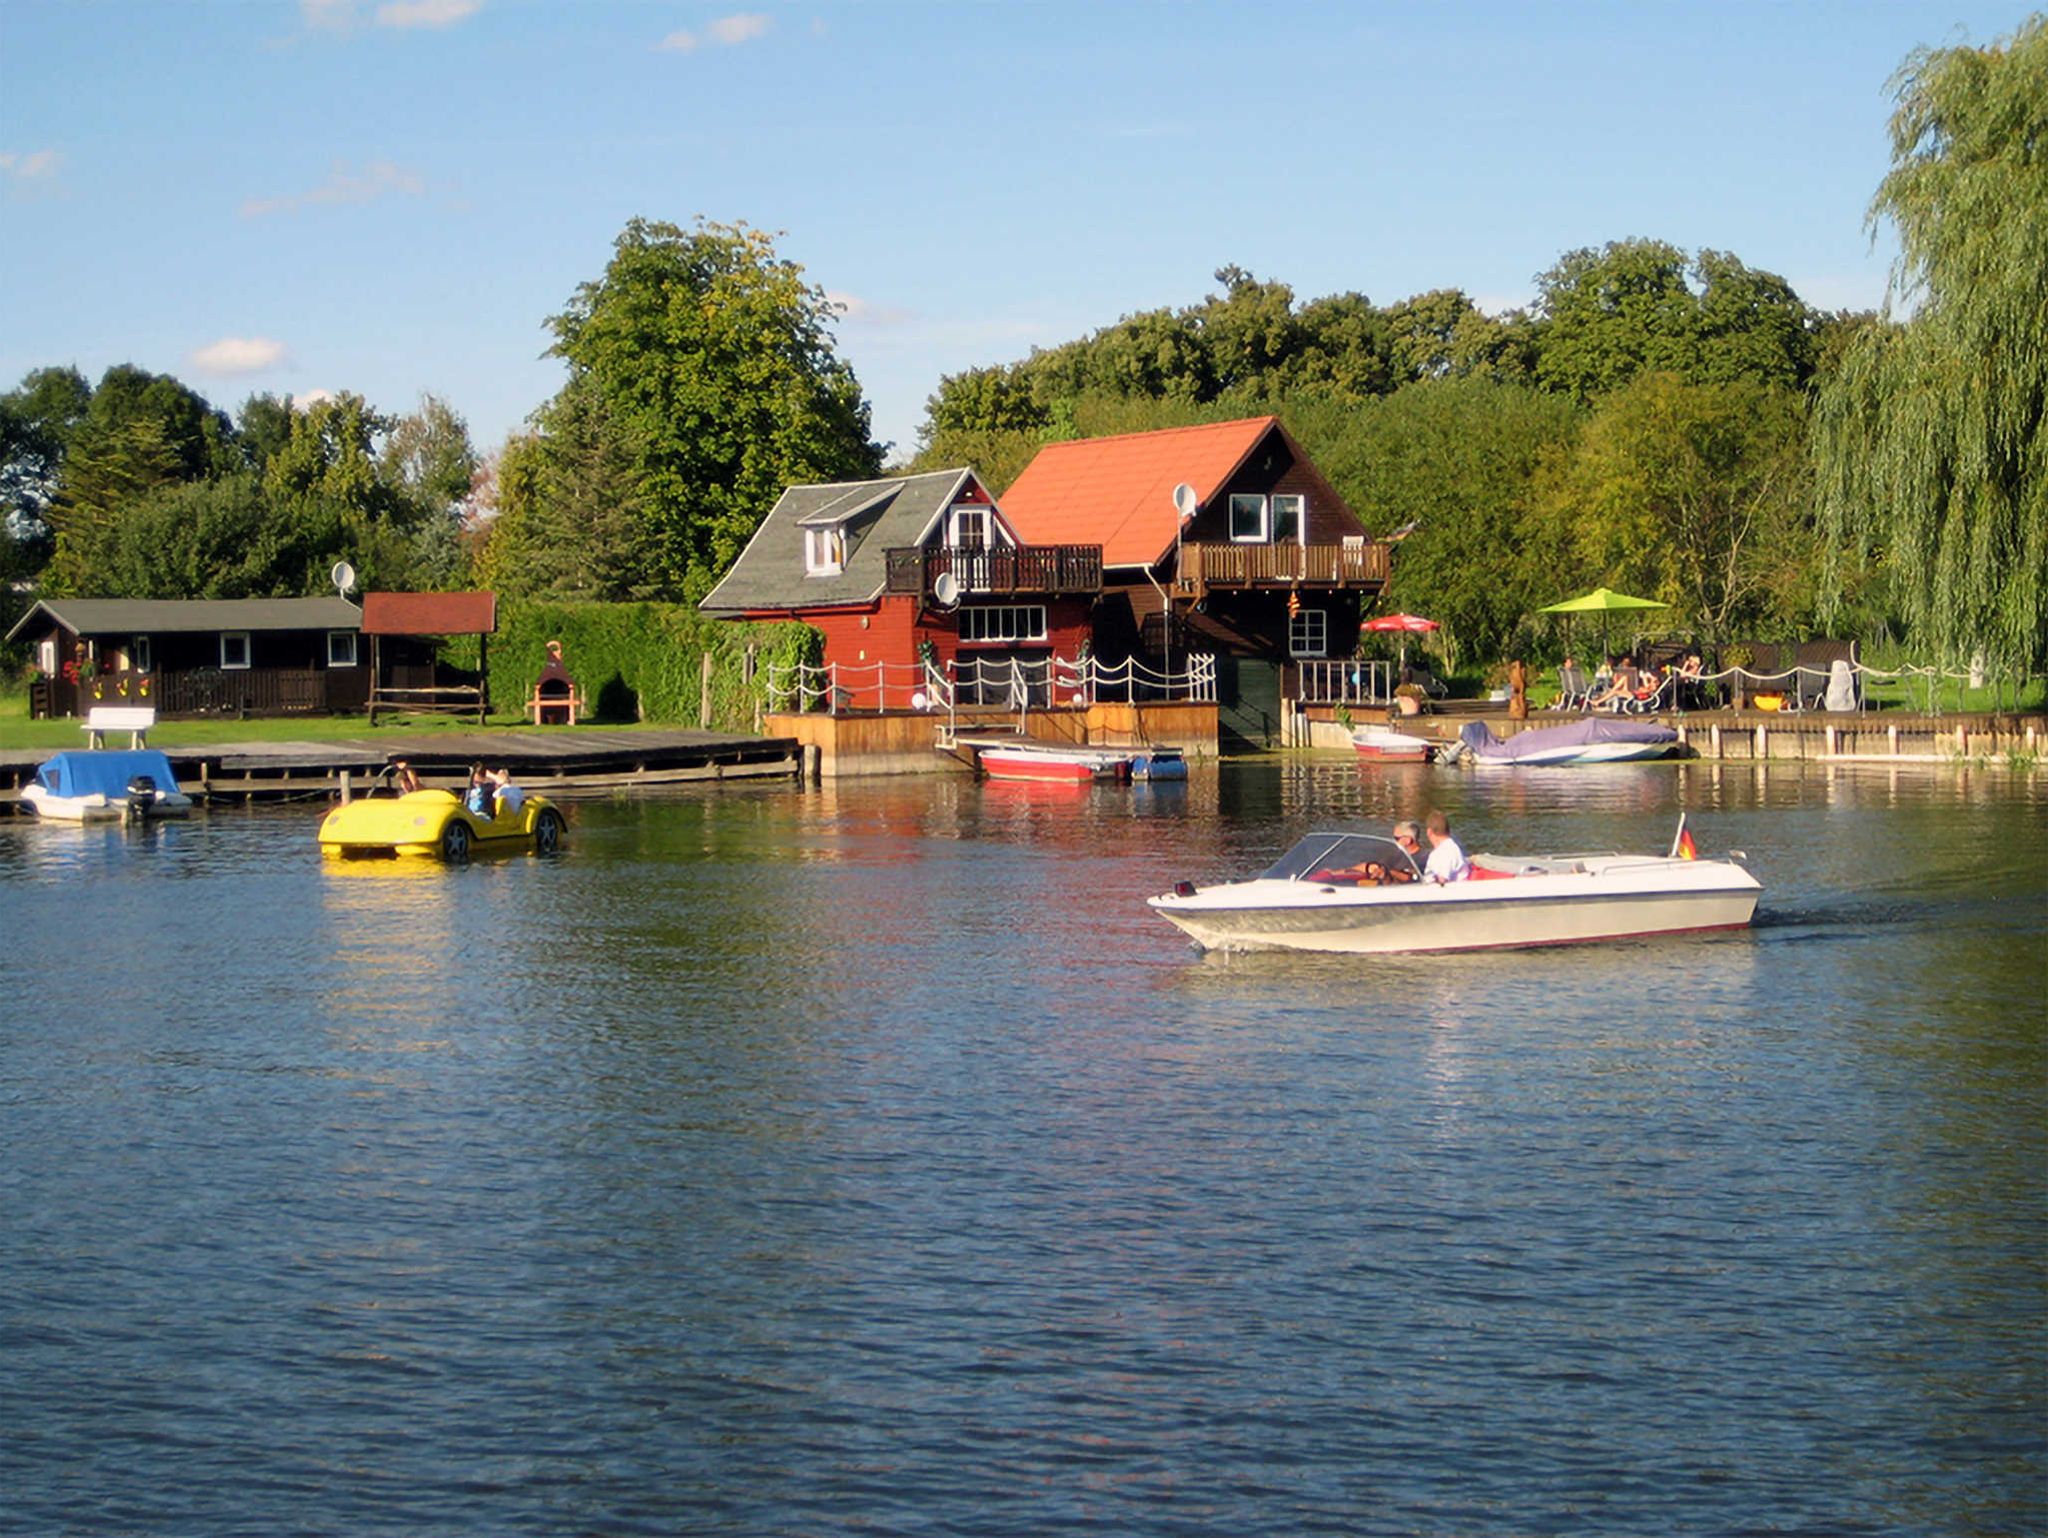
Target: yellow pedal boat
[{"x": 435, "y": 825}]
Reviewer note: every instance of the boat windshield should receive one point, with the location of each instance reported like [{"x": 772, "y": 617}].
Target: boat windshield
[{"x": 1323, "y": 856}]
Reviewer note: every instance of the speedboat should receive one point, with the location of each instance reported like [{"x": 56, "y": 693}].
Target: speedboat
[
  {"x": 1593, "y": 740},
  {"x": 1355, "y": 892},
  {"x": 106, "y": 785},
  {"x": 1384, "y": 745},
  {"x": 435, "y": 825}
]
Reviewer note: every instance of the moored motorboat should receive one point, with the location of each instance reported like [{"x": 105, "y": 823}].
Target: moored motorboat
[
  {"x": 1384, "y": 745},
  {"x": 1053, "y": 762},
  {"x": 1591, "y": 740},
  {"x": 1329, "y": 893},
  {"x": 106, "y": 785}
]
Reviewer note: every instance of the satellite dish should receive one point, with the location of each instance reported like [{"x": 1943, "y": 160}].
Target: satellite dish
[
  {"x": 344, "y": 577},
  {"x": 1184, "y": 501},
  {"x": 946, "y": 589}
]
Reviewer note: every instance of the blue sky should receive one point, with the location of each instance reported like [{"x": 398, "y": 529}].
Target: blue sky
[{"x": 391, "y": 196}]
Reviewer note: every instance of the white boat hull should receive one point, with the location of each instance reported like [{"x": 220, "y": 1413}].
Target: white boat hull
[
  {"x": 97, "y": 808},
  {"x": 1600, "y": 897}
]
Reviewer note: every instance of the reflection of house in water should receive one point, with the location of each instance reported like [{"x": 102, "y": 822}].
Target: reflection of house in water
[{"x": 893, "y": 572}]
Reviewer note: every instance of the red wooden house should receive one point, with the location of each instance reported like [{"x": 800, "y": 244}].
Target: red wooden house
[
  {"x": 1268, "y": 575},
  {"x": 886, "y": 568}
]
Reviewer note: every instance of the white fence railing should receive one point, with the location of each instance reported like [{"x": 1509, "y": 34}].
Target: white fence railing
[
  {"x": 1344, "y": 683},
  {"x": 839, "y": 688}
]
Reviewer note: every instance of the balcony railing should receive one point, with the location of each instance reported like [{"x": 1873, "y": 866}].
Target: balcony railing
[
  {"x": 998, "y": 569},
  {"x": 1206, "y": 567}
]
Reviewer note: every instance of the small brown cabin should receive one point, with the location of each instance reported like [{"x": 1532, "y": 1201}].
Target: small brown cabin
[{"x": 195, "y": 656}]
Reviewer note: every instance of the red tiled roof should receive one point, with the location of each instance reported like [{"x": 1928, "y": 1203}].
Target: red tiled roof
[
  {"x": 430, "y": 613},
  {"x": 1118, "y": 492}
]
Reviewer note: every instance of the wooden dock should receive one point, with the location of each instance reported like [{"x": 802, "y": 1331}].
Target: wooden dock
[{"x": 553, "y": 763}]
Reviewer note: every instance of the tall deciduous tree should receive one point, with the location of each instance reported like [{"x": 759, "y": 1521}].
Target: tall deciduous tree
[
  {"x": 1931, "y": 444},
  {"x": 1639, "y": 306},
  {"x": 711, "y": 362},
  {"x": 1692, "y": 493}
]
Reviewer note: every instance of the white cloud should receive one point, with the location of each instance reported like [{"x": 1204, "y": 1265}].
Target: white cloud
[
  {"x": 327, "y": 15},
  {"x": 406, "y": 15},
  {"x": 426, "y": 13},
  {"x": 741, "y": 28},
  {"x": 378, "y": 178},
  {"x": 34, "y": 166},
  {"x": 306, "y": 400},
  {"x": 238, "y": 355},
  {"x": 866, "y": 312},
  {"x": 726, "y": 32}
]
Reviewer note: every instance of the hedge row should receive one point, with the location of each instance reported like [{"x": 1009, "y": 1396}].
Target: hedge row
[{"x": 637, "y": 661}]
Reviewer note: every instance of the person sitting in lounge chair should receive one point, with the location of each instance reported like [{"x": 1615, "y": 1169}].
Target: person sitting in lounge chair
[
  {"x": 1573, "y": 687},
  {"x": 1620, "y": 693}
]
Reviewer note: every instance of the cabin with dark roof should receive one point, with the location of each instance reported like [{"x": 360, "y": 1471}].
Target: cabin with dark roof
[
  {"x": 1266, "y": 569},
  {"x": 899, "y": 572},
  {"x": 195, "y": 656}
]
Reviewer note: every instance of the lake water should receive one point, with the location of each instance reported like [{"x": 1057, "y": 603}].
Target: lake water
[{"x": 868, "y": 1159}]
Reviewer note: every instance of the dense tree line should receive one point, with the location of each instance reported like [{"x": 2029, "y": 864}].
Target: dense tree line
[
  {"x": 1680, "y": 425},
  {"x": 1642, "y": 424},
  {"x": 137, "y": 487}
]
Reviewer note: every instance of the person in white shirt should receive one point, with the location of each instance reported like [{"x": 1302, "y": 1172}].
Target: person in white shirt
[
  {"x": 1447, "y": 861},
  {"x": 507, "y": 798}
]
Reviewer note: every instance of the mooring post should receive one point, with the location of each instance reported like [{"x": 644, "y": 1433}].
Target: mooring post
[
  {"x": 704, "y": 703},
  {"x": 347, "y": 787}
]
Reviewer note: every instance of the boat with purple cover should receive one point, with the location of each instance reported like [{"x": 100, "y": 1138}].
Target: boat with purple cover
[{"x": 1593, "y": 740}]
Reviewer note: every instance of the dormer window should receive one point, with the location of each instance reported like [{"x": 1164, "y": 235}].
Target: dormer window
[
  {"x": 1275, "y": 520},
  {"x": 824, "y": 551},
  {"x": 969, "y": 527}
]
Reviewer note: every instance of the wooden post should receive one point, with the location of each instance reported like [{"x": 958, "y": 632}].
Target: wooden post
[
  {"x": 483, "y": 676},
  {"x": 1831, "y": 741},
  {"x": 347, "y": 787},
  {"x": 1763, "y": 741},
  {"x": 1714, "y": 734},
  {"x": 704, "y": 694}
]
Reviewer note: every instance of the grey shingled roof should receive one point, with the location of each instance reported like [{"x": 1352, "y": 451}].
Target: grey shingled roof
[
  {"x": 166, "y": 616},
  {"x": 885, "y": 515}
]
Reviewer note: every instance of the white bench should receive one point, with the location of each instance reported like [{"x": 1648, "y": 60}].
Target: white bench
[{"x": 135, "y": 720}]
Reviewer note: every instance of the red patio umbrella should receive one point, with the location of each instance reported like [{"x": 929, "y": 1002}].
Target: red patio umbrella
[{"x": 1406, "y": 624}]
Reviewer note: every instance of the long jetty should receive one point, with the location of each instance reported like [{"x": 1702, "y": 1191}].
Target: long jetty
[{"x": 551, "y": 762}]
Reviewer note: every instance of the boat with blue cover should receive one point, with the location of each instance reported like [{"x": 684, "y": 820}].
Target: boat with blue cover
[{"x": 106, "y": 786}]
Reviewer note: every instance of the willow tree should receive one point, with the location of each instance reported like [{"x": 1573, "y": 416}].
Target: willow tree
[{"x": 1930, "y": 447}]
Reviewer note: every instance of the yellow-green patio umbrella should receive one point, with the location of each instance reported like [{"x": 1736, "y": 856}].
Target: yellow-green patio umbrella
[{"x": 1601, "y": 601}]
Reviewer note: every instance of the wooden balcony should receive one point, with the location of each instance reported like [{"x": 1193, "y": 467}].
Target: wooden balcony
[
  {"x": 1208, "y": 568},
  {"x": 999, "y": 570}
]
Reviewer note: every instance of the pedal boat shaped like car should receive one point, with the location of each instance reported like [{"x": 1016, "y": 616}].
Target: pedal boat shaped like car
[
  {"x": 435, "y": 825},
  {"x": 1317, "y": 898},
  {"x": 105, "y": 785}
]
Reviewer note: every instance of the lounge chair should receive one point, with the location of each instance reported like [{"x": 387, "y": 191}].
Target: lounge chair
[{"x": 1574, "y": 689}]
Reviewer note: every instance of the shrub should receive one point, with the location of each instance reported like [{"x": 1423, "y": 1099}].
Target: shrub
[{"x": 637, "y": 661}]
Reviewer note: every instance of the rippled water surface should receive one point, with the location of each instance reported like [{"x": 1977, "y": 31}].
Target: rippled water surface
[{"x": 868, "y": 1159}]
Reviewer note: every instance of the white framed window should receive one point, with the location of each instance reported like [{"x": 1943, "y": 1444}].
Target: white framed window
[
  {"x": 1008, "y": 622},
  {"x": 1308, "y": 634},
  {"x": 234, "y": 649},
  {"x": 46, "y": 656},
  {"x": 1290, "y": 519},
  {"x": 968, "y": 527},
  {"x": 139, "y": 655},
  {"x": 1247, "y": 518},
  {"x": 824, "y": 552},
  {"x": 341, "y": 648}
]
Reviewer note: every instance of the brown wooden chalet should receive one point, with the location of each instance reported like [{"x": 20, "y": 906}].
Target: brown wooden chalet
[
  {"x": 1269, "y": 575},
  {"x": 201, "y": 656},
  {"x": 887, "y": 569}
]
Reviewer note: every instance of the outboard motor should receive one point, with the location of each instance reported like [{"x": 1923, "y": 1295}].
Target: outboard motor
[{"x": 142, "y": 794}]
